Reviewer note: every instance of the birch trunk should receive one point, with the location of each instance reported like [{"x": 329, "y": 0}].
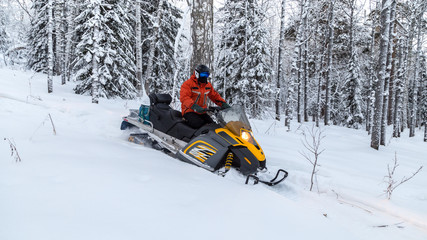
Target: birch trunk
[
  {"x": 388, "y": 74},
  {"x": 138, "y": 72},
  {"x": 95, "y": 65},
  {"x": 69, "y": 34},
  {"x": 50, "y": 47},
  {"x": 329, "y": 63},
  {"x": 371, "y": 78},
  {"x": 305, "y": 79},
  {"x": 397, "y": 101},
  {"x": 299, "y": 60},
  {"x": 416, "y": 79},
  {"x": 381, "y": 71},
  {"x": 280, "y": 67}
]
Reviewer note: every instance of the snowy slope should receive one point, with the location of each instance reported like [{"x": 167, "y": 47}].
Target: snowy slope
[{"x": 89, "y": 182}]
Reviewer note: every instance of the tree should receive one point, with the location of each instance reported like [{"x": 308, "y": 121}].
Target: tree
[
  {"x": 160, "y": 26},
  {"x": 381, "y": 72},
  {"x": 202, "y": 33},
  {"x": 231, "y": 49},
  {"x": 4, "y": 38},
  {"x": 329, "y": 60},
  {"x": 104, "y": 64},
  {"x": 352, "y": 88},
  {"x": 50, "y": 47},
  {"x": 416, "y": 80},
  {"x": 257, "y": 73},
  {"x": 243, "y": 70},
  {"x": 281, "y": 62},
  {"x": 38, "y": 37}
]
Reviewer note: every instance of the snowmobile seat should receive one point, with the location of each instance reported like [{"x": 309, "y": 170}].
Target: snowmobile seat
[{"x": 168, "y": 120}]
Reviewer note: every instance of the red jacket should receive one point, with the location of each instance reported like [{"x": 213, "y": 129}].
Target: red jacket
[{"x": 193, "y": 92}]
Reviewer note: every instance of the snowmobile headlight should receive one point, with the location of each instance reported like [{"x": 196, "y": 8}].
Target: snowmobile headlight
[{"x": 246, "y": 136}]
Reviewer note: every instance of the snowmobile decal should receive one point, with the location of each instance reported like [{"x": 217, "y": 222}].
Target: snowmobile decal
[{"x": 202, "y": 152}]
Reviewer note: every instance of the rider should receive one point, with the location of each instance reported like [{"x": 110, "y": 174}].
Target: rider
[{"x": 193, "y": 96}]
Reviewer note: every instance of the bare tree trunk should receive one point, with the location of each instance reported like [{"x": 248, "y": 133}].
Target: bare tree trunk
[
  {"x": 416, "y": 79},
  {"x": 388, "y": 74},
  {"x": 299, "y": 61},
  {"x": 138, "y": 49},
  {"x": 62, "y": 10},
  {"x": 381, "y": 71},
  {"x": 95, "y": 66},
  {"x": 154, "y": 39},
  {"x": 50, "y": 47},
  {"x": 70, "y": 28},
  {"x": 397, "y": 101},
  {"x": 202, "y": 33},
  {"x": 305, "y": 80},
  {"x": 371, "y": 78},
  {"x": 280, "y": 67},
  {"x": 329, "y": 62},
  {"x": 59, "y": 39}
]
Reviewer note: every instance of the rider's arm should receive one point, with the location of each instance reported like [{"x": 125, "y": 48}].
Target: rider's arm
[
  {"x": 185, "y": 95},
  {"x": 215, "y": 97}
]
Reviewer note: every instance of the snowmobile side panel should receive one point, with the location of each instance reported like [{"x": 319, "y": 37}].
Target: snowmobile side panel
[
  {"x": 244, "y": 160},
  {"x": 205, "y": 151}
]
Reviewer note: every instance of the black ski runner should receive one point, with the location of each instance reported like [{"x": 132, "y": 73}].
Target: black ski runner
[{"x": 272, "y": 182}]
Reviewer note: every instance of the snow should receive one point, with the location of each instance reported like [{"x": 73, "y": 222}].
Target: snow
[{"x": 89, "y": 182}]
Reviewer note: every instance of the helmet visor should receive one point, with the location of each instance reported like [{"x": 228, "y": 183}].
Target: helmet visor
[{"x": 204, "y": 74}]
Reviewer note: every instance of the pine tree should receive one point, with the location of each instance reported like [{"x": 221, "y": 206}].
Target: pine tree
[
  {"x": 242, "y": 63},
  {"x": 163, "y": 65},
  {"x": 231, "y": 50},
  {"x": 352, "y": 99},
  {"x": 4, "y": 38},
  {"x": 105, "y": 60},
  {"x": 38, "y": 37}
]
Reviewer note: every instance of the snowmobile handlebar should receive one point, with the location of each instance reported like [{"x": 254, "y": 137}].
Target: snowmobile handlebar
[{"x": 213, "y": 109}]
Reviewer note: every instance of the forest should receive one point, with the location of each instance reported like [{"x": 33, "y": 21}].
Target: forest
[{"x": 353, "y": 63}]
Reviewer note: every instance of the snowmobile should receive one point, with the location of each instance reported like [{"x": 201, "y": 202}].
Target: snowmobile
[{"x": 216, "y": 147}]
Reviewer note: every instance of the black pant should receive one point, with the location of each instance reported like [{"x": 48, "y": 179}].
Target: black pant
[{"x": 196, "y": 120}]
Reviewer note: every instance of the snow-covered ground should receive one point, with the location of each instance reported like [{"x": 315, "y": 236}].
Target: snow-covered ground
[{"x": 88, "y": 182}]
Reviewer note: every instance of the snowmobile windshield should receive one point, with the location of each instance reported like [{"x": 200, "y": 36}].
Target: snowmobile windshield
[{"x": 234, "y": 119}]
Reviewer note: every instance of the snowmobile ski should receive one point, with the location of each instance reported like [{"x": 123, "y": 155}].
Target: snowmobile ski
[{"x": 272, "y": 182}]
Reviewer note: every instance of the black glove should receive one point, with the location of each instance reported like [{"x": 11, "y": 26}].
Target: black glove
[
  {"x": 198, "y": 109},
  {"x": 225, "y": 105}
]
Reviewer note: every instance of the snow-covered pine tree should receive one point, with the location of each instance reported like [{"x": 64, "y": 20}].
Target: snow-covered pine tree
[
  {"x": 257, "y": 71},
  {"x": 38, "y": 37},
  {"x": 351, "y": 92},
  {"x": 243, "y": 69},
  {"x": 105, "y": 61},
  {"x": 4, "y": 39},
  {"x": 231, "y": 50},
  {"x": 163, "y": 65}
]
